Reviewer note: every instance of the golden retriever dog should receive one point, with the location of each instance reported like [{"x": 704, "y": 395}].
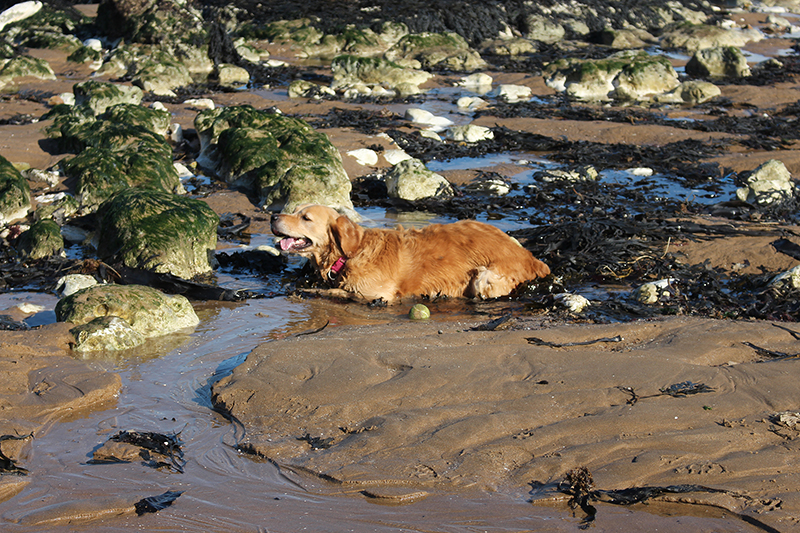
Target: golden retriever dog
[{"x": 464, "y": 259}]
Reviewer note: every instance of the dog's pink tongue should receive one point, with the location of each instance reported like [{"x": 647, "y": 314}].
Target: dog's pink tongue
[{"x": 287, "y": 243}]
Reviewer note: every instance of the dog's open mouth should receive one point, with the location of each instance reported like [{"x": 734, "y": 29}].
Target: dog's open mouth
[{"x": 293, "y": 244}]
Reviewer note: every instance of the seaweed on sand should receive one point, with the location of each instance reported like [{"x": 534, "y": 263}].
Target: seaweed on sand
[{"x": 9, "y": 466}]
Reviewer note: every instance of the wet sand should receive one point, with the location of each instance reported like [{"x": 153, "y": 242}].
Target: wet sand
[{"x": 464, "y": 427}]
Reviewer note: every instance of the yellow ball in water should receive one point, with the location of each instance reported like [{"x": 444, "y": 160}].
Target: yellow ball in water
[{"x": 419, "y": 312}]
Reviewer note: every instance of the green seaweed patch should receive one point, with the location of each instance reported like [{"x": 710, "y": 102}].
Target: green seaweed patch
[
  {"x": 212, "y": 122},
  {"x": 43, "y": 239},
  {"x": 68, "y": 121},
  {"x": 15, "y": 193},
  {"x": 52, "y": 40},
  {"x": 157, "y": 231},
  {"x": 154, "y": 120},
  {"x": 84, "y": 54},
  {"x": 101, "y": 172}
]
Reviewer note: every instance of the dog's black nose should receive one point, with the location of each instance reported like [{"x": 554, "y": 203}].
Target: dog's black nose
[{"x": 273, "y": 217}]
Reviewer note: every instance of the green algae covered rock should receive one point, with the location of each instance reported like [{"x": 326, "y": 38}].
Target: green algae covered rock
[
  {"x": 626, "y": 75},
  {"x": 121, "y": 125},
  {"x": 100, "y": 173},
  {"x": 43, "y": 239},
  {"x": 124, "y": 147},
  {"x": 100, "y": 95},
  {"x": 154, "y": 120},
  {"x": 281, "y": 159},
  {"x": 15, "y": 193},
  {"x": 161, "y": 72},
  {"x": 435, "y": 50},
  {"x": 105, "y": 333},
  {"x": 22, "y": 67},
  {"x": 351, "y": 71},
  {"x": 147, "y": 311},
  {"x": 157, "y": 231}
]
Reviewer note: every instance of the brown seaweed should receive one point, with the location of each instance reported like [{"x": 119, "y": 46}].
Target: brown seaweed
[
  {"x": 9, "y": 466},
  {"x": 154, "y": 504}
]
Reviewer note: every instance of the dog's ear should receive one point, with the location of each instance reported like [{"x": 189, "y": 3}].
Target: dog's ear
[{"x": 347, "y": 235}]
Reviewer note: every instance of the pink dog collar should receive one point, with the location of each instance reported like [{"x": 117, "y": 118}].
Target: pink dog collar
[{"x": 336, "y": 268}]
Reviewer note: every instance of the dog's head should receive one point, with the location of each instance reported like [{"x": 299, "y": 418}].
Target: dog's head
[{"x": 317, "y": 232}]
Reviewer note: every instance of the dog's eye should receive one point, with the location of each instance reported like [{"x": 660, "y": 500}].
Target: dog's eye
[{"x": 306, "y": 217}]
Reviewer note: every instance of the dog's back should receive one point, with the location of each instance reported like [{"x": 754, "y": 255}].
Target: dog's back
[{"x": 466, "y": 258}]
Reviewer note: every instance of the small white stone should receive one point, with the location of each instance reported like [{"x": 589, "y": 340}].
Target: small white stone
[
  {"x": 30, "y": 309},
  {"x": 574, "y": 303},
  {"x": 50, "y": 198},
  {"x": 512, "y": 93},
  {"x": 175, "y": 133},
  {"x": 641, "y": 171},
  {"x": 73, "y": 283},
  {"x": 364, "y": 156},
  {"x": 429, "y": 134},
  {"x": 476, "y": 80},
  {"x": 200, "y": 103},
  {"x": 183, "y": 171},
  {"x": 421, "y": 116},
  {"x": 74, "y": 234},
  {"x": 158, "y": 106},
  {"x": 469, "y": 133},
  {"x": 67, "y": 98},
  {"x": 471, "y": 103},
  {"x": 395, "y": 156},
  {"x": 94, "y": 44}
]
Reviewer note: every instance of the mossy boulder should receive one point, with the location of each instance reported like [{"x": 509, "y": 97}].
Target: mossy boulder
[
  {"x": 157, "y": 231},
  {"x": 120, "y": 126},
  {"x": 147, "y": 311},
  {"x": 626, "y": 75},
  {"x": 435, "y": 50},
  {"x": 101, "y": 172},
  {"x": 351, "y": 71},
  {"x": 161, "y": 72},
  {"x": 42, "y": 239},
  {"x": 151, "y": 21},
  {"x": 154, "y": 120},
  {"x": 15, "y": 193},
  {"x": 99, "y": 96},
  {"x": 282, "y": 160}
]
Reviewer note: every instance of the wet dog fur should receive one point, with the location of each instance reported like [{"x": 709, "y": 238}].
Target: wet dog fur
[{"x": 464, "y": 259}]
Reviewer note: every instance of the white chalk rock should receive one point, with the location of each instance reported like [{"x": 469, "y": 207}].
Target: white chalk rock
[
  {"x": 364, "y": 156},
  {"x": 421, "y": 116},
  {"x": 19, "y": 12},
  {"x": 469, "y": 133},
  {"x": 574, "y": 303}
]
